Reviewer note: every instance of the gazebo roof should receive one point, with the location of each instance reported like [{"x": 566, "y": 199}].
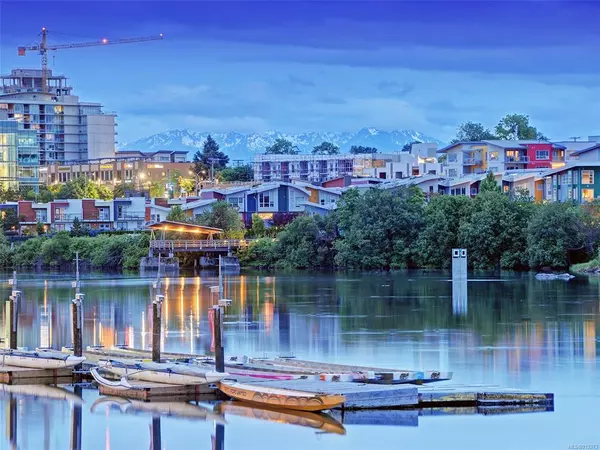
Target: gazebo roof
[{"x": 183, "y": 227}]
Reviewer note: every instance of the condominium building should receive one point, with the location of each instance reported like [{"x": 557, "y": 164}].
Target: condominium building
[
  {"x": 320, "y": 168},
  {"x": 465, "y": 158},
  {"x": 66, "y": 128},
  {"x": 132, "y": 167},
  {"x": 19, "y": 155}
]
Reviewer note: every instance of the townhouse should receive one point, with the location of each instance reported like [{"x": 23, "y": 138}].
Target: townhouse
[
  {"x": 59, "y": 215},
  {"x": 497, "y": 156}
]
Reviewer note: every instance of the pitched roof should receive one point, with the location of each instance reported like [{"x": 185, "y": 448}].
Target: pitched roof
[{"x": 585, "y": 150}]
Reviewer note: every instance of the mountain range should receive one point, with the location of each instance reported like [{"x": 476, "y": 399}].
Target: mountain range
[{"x": 239, "y": 146}]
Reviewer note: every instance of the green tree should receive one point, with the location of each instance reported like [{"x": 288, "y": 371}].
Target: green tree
[
  {"x": 40, "y": 229},
  {"x": 516, "y": 126},
  {"x": 239, "y": 173},
  {"x": 209, "y": 157},
  {"x": 472, "y": 132},
  {"x": 359, "y": 149},
  {"x": 124, "y": 190},
  {"x": 495, "y": 232},
  {"x": 489, "y": 184},
  {"x": 56, "y": 252},
  {"x": 10, "y": 220},
  {"x": 6, "y": 252},
  {"x": 325, "y": 148},
  {"x": 552, "y": 231},
  {"x": 261, "y": 254},
  {"x": 282, "y": 147},
  {"x": 258, "y": 229},
  {"x": 176, "y": 214},
  {"x": 442, "y": 219},
  {"x": 45, "y": 195},
  {"x": 157, "y": 189},
  {"x": 188, "y": 185},
  {"x": 377, "y": 229},
  {"x": 76, "y": 227},
  {"x": 81, "y": 187},
  {"x": 224, "y": 216},
  {"x": 298, "y": 244}
]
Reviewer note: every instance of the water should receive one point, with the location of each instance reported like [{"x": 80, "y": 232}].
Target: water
[{"x": 512, "y": 331}]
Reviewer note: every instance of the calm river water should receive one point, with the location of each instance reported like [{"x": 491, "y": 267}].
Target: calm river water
[{"x": 512, "y": 331}]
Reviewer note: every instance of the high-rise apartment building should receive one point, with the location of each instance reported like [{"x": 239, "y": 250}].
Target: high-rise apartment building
[{"x": 66, "y": 128}]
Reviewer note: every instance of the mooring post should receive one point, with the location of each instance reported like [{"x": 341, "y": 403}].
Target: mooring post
[
  {"x": 12, "y": 313},
  {"x": 218, "y": 334},
  {"x": 156, "y": 326},
  {"x": 219, "y": 437},
  {"x": 76, "y": 421},
  {"x": 459, "y": 281},
  {"x": 77, "y": 325},
  {"x": 156, "y": 440}
]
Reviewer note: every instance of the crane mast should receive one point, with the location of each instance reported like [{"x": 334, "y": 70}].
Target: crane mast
[{"x": 43, "y": 49}]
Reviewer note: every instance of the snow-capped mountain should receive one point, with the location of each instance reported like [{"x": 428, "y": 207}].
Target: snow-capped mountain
[{"x": 245, "y": 146}]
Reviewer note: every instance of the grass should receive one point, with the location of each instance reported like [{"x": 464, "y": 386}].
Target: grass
[{"x": 587, "y": 266}]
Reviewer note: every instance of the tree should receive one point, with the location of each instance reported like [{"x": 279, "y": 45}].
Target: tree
[
  {"x": 553, "y": 230},
  {"x": 76, "y": 228},
  {"x": 10, "y": 220},
  {"x": 408, "y": 146},
  {"x": 282, "y": 147},
  {"x": 81, "y": 187},
  {"x": 377, "y": 229},
  {"x": 224, "y": 216},
  {"x": 325, "y": 148},
  {"x": 489, "y": 184},
  {"x": 176, "y": 214},
  {"x": 495, "y": 232},
  {"x": 40, "y": 228},
  {"x": 124, "y": 190},
  {"x": 45, "y": 195},
  {"x": 472, "y": 132},
  {"x": 239, "y": 173},
  {"x": 299, "y": 243},
  {"x": 516, "y": 126},
  {"x": 188, "y": 185},
  {"x": 359, "y": 149},
  {"x": 258, "y": 227},
  {"x": 211, "y": 158},
  {"x": 157, "y": 189},
  {"x": 442, "y": 219}
]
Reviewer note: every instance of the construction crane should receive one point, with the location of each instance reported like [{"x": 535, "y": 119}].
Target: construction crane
[{"x": 43, "y": 48}]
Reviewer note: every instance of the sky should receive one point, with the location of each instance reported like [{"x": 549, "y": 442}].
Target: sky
[{"x": 299, "y": 66}]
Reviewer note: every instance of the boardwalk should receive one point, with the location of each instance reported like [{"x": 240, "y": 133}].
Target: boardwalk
[{"x": 201, "y": 245}]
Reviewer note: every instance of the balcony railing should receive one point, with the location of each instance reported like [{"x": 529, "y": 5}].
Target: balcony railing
[
  {"x": 517, "y": 159},
  {"x": 471, "y": 162}
]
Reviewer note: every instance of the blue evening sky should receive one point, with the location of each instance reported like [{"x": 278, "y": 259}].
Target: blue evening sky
[{"x": 323, "y": 66}]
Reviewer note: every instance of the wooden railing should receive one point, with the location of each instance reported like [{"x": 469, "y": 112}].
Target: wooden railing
[{"x": 207, "y": 244}]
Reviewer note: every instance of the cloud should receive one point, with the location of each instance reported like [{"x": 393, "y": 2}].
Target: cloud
[
  {"x": 331, "y": 99},
  {"x": 298, "y": 81},
  {"x": 395, "y": 89}
]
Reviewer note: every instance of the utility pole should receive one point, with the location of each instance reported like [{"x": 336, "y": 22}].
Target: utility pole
[{"x": 575, "y": 138}]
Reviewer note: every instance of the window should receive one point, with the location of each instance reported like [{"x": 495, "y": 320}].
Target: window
[
  {"x": 59, "y": 213},
  {"x": 265, "y": 200},
  {"x": 463, "y": 191},
  {"x": 120, "y": 212},
  {"x": 107, "y": 175},
  {"x": 587, "y": 195},
  {"x": 493, "y": 156},
  {"x": 40, "y": 216},
  {"x": 542, "y": 154},
  {"x": 121, "y": 225},
  {"x": 570, "y": 177},
  {"x": 452, "y": 157},
  {"x": 298, "y": 201},
  {"x": 128, "y": 174},
  {"x": 452, "y": 173},
  {"x": 237, "y": 202},
  {"x": 587, "y": 177},
  {"x": 539, "y": 187},
  {"x": 493, "y": 169}
]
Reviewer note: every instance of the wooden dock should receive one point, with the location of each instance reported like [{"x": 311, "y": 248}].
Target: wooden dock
[
  {"x": 25, "y": 375},
  {"x": 381, "y": 396},
  {"x": 147, "y": 391}
]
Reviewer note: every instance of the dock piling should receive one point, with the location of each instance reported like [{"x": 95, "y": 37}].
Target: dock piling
[
  {"x": 156, "y": 323},
  {"x": 218, "y": 335},
  {"x": 12, "y": 313},
  {"x": 77, "y": 325}
]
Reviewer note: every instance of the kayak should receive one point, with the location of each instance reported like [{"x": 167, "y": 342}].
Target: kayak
[
  {"x": 167, "y": 373},
  {"x": 38, "y": 359},
  {"x": 280, "y": 398}
]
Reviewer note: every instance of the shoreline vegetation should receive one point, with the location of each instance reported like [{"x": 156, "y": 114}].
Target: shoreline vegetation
[{"x": 376, "y": 230}]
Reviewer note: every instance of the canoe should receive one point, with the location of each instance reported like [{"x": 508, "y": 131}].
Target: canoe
[
  {"x": 169, "y": 409},
  {"x": 319, "y": 421},
  {"x": 371, "y": 374},
  {"x": 280, "y": 398},
  {"x": 167, "y": 373},
  {"x": 38, "y": 359}
]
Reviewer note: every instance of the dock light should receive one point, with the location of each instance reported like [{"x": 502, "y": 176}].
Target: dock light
[{"x": 104, "y": 41}]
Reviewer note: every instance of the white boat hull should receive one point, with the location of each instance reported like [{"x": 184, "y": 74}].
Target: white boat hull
[
  {"x": 21, "y": 359},
  {"x": 163, "y": 377}
]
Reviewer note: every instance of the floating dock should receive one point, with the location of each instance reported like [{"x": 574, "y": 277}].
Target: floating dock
[
  {"x": 25, "y": 375},
  {"x": 148, "y": 391}
]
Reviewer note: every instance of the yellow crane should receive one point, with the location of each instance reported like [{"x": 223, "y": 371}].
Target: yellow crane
[{"x": 43, "y": 47}]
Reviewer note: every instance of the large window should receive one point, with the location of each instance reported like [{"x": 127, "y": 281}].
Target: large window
[
  {"x": 587, "y": 195},
  {"x": 237, "y": 202},
  {"x": 452, "y": 157},
  {"x": 452, "y": 173},
  {"x": 587, "y": 177},
  {"x": 40, "y": 216},
  {"x": 542, "y": 154},
  {"x": 493, "y": 156},
  {"x": 265, "y": 200}
]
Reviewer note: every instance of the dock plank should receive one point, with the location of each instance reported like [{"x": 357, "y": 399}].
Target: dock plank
[
  {"x": 148, "y": 391},
  {"x": 26, "y": 375}
]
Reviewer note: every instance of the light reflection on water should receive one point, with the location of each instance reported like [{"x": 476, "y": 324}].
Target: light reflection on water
[{"x": 519, "y": 333}]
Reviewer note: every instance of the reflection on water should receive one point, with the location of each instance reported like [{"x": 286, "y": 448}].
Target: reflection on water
[{"x": 516, "y": 332}]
